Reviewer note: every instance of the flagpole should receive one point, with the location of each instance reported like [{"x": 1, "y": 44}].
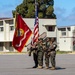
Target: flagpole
[
  {"x": 35, "y": 5},
  {"x": 35, "y": 8},
  {"x": 36, "y": 11}
]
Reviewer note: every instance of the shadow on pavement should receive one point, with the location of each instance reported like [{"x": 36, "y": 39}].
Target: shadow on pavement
[
  {"x": 31, "y": 68},
  {"x": 59, "y": 68}
]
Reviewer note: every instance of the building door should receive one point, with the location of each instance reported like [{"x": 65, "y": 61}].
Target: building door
[
  {"x": 74, "y": 45},
  {"x": 6, "y": 45},
  {"x": 1, "y": 46},
  {"x": 74, "y": 39},
  {"x": 11, "y": 48}
]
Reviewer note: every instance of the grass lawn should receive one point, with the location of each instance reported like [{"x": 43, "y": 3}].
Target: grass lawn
[{"x": 63, "y": 52}]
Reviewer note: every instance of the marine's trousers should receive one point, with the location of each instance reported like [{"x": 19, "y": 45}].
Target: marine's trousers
[
  {"x": 40, "y": 58},
  {"x": 35, "y": 57},
  {"x": 52, "y": 57}
]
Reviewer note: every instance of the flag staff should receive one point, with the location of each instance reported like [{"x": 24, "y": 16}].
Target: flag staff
[{"x": 36, "y": 9}]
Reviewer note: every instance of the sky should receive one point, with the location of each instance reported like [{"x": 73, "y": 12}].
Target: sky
[{"x": 64, "y": 10}]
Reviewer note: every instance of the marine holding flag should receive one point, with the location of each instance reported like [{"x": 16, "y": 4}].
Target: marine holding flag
[
  {"x": 34, "y": 40},
  {"x": 21, "y": 35}
]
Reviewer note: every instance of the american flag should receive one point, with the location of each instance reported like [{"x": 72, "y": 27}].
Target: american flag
[{"x": 36, "y": 26}]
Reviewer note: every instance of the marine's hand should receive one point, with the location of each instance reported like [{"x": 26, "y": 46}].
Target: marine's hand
[{"x": 29, "y": 53}]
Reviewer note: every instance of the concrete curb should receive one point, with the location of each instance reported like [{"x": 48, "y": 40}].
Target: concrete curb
[{"x": 22, "y": 53}]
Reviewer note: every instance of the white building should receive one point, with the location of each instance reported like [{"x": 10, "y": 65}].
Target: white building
[
  {"x": 7, "y": 31},
  {"x": 66, "y": 38}
]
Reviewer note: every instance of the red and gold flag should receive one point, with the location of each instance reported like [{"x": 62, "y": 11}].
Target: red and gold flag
[{"x": 21, "y": 34}]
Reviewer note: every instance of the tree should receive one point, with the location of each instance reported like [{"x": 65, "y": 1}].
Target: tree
[{"x": 27, "y": 9}]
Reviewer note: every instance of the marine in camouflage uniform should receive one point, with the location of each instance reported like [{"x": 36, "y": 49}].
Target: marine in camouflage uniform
[
  {"x": 35, "y": 56},
  {"x": 47, "y": 44},
  {"x": 52, "y": 53},
  {"x": 40, "y": 53}
]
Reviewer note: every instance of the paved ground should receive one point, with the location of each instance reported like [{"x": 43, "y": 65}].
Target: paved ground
[{"x": 21, "y": 64}]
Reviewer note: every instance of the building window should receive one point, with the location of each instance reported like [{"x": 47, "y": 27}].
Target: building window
[
  {"x": 10, "y": 22},
  {"x": 69, "y": 29},
  {"x": 62, "y": 29},
  {"x": 63, "y": 33},
  {"x": 1, "y": 29},
  {"x": 10, "y": 44},
  {"x": 11, "y": 28},
  {"x": 1, "y": 44},
  {"x": 1, "y": 23},
  {"x": 51, "y": 28}
]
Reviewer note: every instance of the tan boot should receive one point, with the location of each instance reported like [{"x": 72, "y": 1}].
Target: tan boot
[
  {"x": 46, "y": 67},
  {"x": 39, "y": 67},
  {"x": 53, "y": 68}
]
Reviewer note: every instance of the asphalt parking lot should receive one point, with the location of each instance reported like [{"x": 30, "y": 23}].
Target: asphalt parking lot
[{"x": 21, "y": 64}]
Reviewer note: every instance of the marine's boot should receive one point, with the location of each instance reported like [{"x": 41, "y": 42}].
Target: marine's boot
[
  {"x": 52, "y": 68},
  {"x": 47, "y": 67},
  {"x": 34, "y": 66},
  {"x": 39, "y": 67}
]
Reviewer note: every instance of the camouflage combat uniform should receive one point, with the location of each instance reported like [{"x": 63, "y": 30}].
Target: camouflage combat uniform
[
  {"x": 47, "y": 44},
  {"x": 35, "y": 56},
  {"x": 50, "y": 53},
  {"x": 53, "y": 55},
  {"x": 40, "y": 54}
]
